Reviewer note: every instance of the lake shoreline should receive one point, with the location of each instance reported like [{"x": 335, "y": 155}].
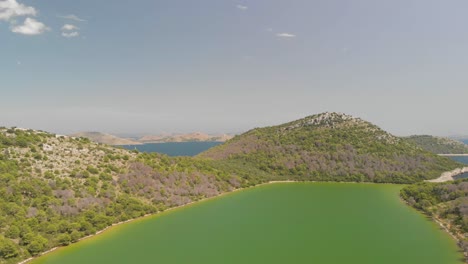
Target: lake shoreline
[
  {"x": 441, "y": 225},
  {"x": 152, "y": 215}
]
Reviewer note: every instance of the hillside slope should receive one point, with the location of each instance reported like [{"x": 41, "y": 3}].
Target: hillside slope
[
  {"x": 332, "y": 147},
  {"x": 56, "y": 190},
  {"x": 438, "y": 145},
  {"x": 107, "y": 139}
]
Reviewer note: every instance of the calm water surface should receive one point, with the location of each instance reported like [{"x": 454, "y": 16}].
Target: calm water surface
[
  {"x": 324, "y": 223},
  {"x": 462, "y": 159},
  {"x": 174, "y": 148}
]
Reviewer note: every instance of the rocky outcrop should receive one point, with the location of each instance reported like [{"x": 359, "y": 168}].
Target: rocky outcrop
[{"x": 449, "y": 175}]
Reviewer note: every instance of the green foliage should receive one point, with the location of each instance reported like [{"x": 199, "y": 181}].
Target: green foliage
[
  {"x": 8, "y": 249},
  {"x": 447, "y": 201},
  {"x": 331, "y": 147},
  {"x": 54, "y": 191},
  {"x": 64, "y": 239},
  {"x": 54, "y": 198}
]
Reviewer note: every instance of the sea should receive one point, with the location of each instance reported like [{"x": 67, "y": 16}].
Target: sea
[
  {"x": 462, "y": 159},
  {"x": 174, "y": 148}
]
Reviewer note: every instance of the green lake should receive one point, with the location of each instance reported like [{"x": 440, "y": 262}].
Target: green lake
[{"x": 322, "y": 223}]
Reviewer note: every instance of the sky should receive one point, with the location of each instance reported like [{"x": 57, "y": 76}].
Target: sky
[{"x": 227, "y": 66}]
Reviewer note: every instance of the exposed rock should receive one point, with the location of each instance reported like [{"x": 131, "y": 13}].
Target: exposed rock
[{"x": 449, "y": 175}]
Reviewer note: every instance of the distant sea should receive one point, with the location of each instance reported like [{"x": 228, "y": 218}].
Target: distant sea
[
  {"x": 462, "y": 159},
  {"x": 174, "y": 148}
]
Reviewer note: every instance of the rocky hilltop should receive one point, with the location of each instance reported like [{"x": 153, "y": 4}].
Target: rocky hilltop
[{"x": 332, "y": 146}]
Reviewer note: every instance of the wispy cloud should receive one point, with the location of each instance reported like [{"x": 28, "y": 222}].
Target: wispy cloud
[
  {"x": 73, "y": 17},
  {"x": 10, "y": 9},
  {"x": 70, "y": 34},
  {"x": 69, "y": 27},
  {"x": 30, "y": 27},
  {"x": 285, "y": 35},
  {"x": 242, "y": 7}
]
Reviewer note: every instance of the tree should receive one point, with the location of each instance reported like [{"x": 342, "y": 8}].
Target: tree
[
  {"x": 8, "y": 249},
  {"x": 75, "y": 236},
  {"x": 13, "y": 232},
  {"x": 38, "y": 244},
  {"x": 64, "y": 239}
]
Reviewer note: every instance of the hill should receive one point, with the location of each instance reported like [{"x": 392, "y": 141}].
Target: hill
[
  {"x": 331, "y": 147},
  {"x": 439, "y": 145},
  {"x": 105, "y": 138},
  {"x": 55, "y": 190},
  {"x": 191, "y": 137}
]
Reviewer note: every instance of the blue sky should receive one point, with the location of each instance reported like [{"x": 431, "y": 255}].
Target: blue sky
[{"x": 228, "y": 66}]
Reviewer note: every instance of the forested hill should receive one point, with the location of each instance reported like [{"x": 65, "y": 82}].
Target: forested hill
[
  {"x": 439, "y": 145},
  {"x": 332, "y": 147},
  {"x": 56, "y": 190}
]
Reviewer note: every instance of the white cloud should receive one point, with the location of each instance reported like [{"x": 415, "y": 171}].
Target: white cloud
[
  {"x": 30, "y": 27},
  {"x": 70, "y": 31},
  {"x": 10, "y": 9},
  {"x": 242, "y": 7},
  {"x": 73, "y": 17},
  {"x": 70, "y": 34},
  {"x": 285, "y": 35},
  {"x": 69, "y": 27}
]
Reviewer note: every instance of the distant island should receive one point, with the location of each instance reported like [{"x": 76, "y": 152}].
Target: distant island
[
  {"x": 191, "y": 137},
  {"x": 438, "y": 145},
  {"x": 104, "y": 138},
  {"x": 55, "y": 189},
  {"x": 113, "y": 140}
]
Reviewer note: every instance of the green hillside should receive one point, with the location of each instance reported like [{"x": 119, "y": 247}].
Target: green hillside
[
  {"x": 56, "y": 190},
  {"x": 439, "y": 145},
  {"x": 332, "y": 147}
]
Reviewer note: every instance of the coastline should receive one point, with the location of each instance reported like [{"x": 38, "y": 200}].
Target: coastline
[{"x": 456, "y": 236}]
